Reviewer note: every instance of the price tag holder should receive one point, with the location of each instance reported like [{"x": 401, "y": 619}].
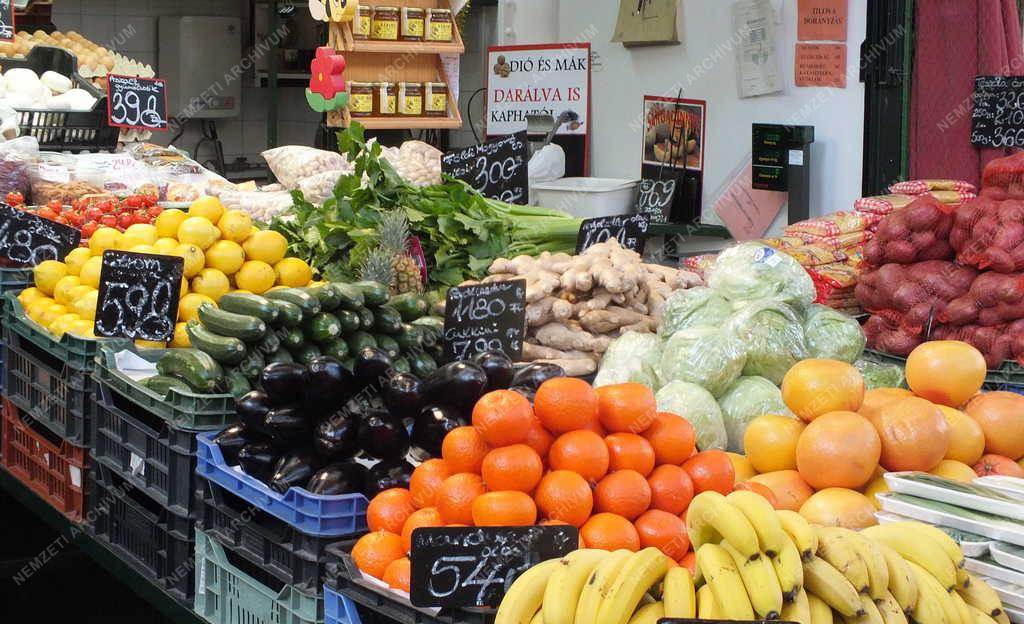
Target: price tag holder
[
  {"x": 7, "y": 28},
  {"x": 28, "y": 239},
  {"x": 655, "y": 199},
  {"x": 138, "y": 296},
  {"x": 139, "y": 103},
  {"x": 485, "y": 317},
  {"x": 474, "y": 567},
  {"x": 498, "y": 168},
  {"x": 629, "y": 230},
  {"x": 997, "y": 119}
]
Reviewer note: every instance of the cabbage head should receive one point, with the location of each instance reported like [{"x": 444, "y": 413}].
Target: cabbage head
[
  {"x": 631, "y": 357},
  {"x": 772, "y": 334},
  {"x": 878, "y": 375},
  {"x": 751, "y": 271},
  {"x": 707, "y": 356},
  {"x": 832, "y": 335},
  {"x": 699, "y": 408},
  {"x": 693, "y": 307},
  {"x": 746, "y": 399}
]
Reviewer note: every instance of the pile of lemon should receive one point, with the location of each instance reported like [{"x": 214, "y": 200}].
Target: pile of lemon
[{"x": 223, "y": 252}]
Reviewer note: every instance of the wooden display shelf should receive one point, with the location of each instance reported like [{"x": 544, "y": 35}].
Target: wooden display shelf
[
  {"x": 455, "y": 46},
  {"x": 415, "y": 123}
]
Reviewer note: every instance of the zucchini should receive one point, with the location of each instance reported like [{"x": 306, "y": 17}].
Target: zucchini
[
  {"x": 349, "y": 321},
  {"x": 252, "y": 305},
  {"x": 162, "y": 384},
  {"x": 323, "y": 327},
  {"x": 421, "y": 365},
  {"x": 436, "y": 351},
  {"x": 401, "y": 365},
  {"x": 374, "y": 293},
  {"x": 387, "y": 320},
  {"x": 351, "y": 297},
  {"x": 329, "y": 298},
  {"x": 225, "y": 349},
  {"x": 360, "y": 339},
  {"x": 291, "y": 339},
  {"x": 270, "y": 343},
  {"x": 236, "y": 384},
  {"x": 430, "y": 332},
  {"x": 348, "y": 363},
  {"x": 337, "y": 349},
  {"x": 409, "y": 339},
  {"x": 434, "y": 322},
  {"x": 252, "y": 365},
  {"x": 306, "y": 353},
  {"x": 197, "y": 369},
  {"x": 224, "y": 323},
  {"x": 281, "y": 355},
  {"x": 388, "y": 345},
  {"x": 410, "y": 305},
  {"x": 365, "y": 319},
  {"x": 288, "y": 314},
  {"x": 308, "y": 303}
]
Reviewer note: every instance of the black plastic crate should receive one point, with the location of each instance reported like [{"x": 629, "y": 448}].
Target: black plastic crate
[
  {"x": 153, "y": 541},
  {"x": 146, "y": 450}
]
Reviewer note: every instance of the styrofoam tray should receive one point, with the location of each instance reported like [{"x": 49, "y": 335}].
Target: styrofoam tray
[
  {"x": 1008, "y": 556},
  {"x": 1016, "y": 615},
  {"x": 990, "y": 569},
  {"x": 975, "y": 495},
  {"x": 1010, "y": 486},
  {"x": 945, "y": 515},
  {"x": 1010, "y": 594},
  {"x": 972, "y": 545}
]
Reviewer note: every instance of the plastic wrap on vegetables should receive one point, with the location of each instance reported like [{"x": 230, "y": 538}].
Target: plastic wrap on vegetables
[
  {"x": 631, "y": 357},
  {"x": 751, "y": 271},
  {"x": 694, "y": 307},
  {"x": 746, "y": 399},
  {"x": 878, "y": 375},
  {"x": 707, "y": 356},
  {"x": 699, "y": 408},
  {"x": 772, "y": 335},
  {"x": 832, "y": 335}
]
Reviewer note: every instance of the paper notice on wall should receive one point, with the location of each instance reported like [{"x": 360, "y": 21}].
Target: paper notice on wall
[
  {"x": 457, "y": 5},
  {"x": 820, "y": 65},
  {"x": 758, "y": 63},
  {"x": 745, "y": 211},
  {"x": 451, "y": 71},
  {"x": 822, "y": 20}
]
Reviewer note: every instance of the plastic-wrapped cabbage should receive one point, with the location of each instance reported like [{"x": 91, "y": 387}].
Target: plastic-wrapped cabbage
[
  {"x": 772, "y": 334},
  {"x": 697, "y": 406},
  {"x": 746, "y": 399},
  {"x": 693, "y": 307},
  {"x": 707, "y": 356},
  {"x": 750, "y": 271},
  {"x": 880, "y": 375},
  {"x": 631, "y": 357},
  {"x": 832, "y": 335}
]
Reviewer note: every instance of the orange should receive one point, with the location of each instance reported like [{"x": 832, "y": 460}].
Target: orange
[
  {"x": 875, "y": 400},
  {"x": 770, "y": 442},
  {"x": 375, "y": 551},
  {"x": 426, "y": 480},
  {"x": 711, "y": 470},
  {"x": 626, "y": 407},
  {"x": 838, "y": 449},
  {"x": 966, "y": 437},
  {"x": 788, "y": 486},
  {"x": 538, "y": 438},
  {"x": 426, "y": 517},
  {"x": 761, "y": 490},
  {"x": 398, "y": 573},
  {"x": 455, "y": 498},
  {"x": 671, "y": 489},
  {"x": 992, "y": 464},
  {"x": 946, "y": 371},
  {"x": 504, "y": 509},
  {"x": 814, "y": 387},
  {"x": 607, "y": 531},
  {"x": 583, "y": 452},
  {"x": 1001, "y": 416},
  {"x": 664, "y": 531},
  {"x": 628, "y": 451},
  {"x": 689, "y": 561},
  {"x": 625, "y": 493},
  {"x": 839, "y": 507},
  {"x": 741, "y": 466},
  {"x": 672, "y": 437},
  {"x": 516, "y": 467},
  {"x": 463, "y": 449},
  {"x": 389, "y": 510},
  {"x": 565, "y": 404},
  {"x": 564, "y": 495},
  {"x": 914, "y": 435},
  {"x": 502, "y": 417},
  {"x": 954, "y": 470}
]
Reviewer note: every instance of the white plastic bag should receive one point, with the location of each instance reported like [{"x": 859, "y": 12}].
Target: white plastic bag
[{"x": 291, "y": 163}]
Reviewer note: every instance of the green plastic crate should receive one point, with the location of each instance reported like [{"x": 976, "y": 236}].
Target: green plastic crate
[
  {"x": 15, "y": 280},
  {"x": 185, "y": 410},
  {"x": 76, "y": 353},
  {"x": 227, "y": 595}
]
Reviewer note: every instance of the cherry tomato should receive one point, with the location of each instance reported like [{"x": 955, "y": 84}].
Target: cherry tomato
[
  {"x": 141, "y": 216},
  {"x": 93, "y": 213},
  {"x": 55, "y": 205},
  {"x": 149, "y": 200},
  {"x": 14, "y": 198},
  {"x": 88, "y": 228},
  {"x": 155, "y": 211},
  {"x": 47, "y": 213},
  {"x": 125, "y": 220},
  {"x": 107, "y": 206},
  {"x": 108, "y": 220},
  {"x": 77, "y": 219},
  {"x": 133, "y": 201}
]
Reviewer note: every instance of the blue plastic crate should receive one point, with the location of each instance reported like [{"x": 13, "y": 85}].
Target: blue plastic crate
[
  {"x": 313, "y": 514},
  {"x": 338, "y": 609}
]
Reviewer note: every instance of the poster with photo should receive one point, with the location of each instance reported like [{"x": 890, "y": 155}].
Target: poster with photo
[{"x": 674, "y": 132}]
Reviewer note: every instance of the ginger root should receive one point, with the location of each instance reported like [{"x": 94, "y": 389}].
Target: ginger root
[
  {"x": 608, "y": 320},
  {"x": 571, "y": 338}
]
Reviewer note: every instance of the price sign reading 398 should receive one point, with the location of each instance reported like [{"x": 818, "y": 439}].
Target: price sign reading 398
[{"x": 485, "y": 317}]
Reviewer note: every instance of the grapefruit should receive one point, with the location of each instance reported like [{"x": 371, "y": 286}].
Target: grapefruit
[
  {"x": 945, "y": 371},
  {"x": 954, "y": 470},
  {"x": 875, "y": 400},
  {"x": 788, "y": 486},
  {"x": 814, "y": 387},
  {"x": 1001, "y": 416},
  {"x": 966, "y": 437},
  {"x": 838, "y": 449},
  {"x": 914, "y": 435},
  {"x": 770, "y": 442},
  {"x": 839, "y": 507}
]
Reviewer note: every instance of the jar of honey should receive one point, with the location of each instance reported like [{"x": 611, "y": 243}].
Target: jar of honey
[
  {"x": 386, "y": 98},
  {"x": 385, "y": 23},
  {"x": 439, "y": 25},
  {"x": 360, "y": 102},
  {"x": 410, "y": 99},
  {"x": 413, "y": 21},
  {"x": 435, "y": 100},
  {"x": 361, "y": 25}
]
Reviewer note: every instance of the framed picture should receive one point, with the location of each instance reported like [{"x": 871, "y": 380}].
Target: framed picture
[{"x": 674, "y": 132}]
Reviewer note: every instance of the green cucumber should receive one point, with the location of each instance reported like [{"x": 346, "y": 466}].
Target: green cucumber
[
  {"x": 365, "y": 319},
  {"x": 348, "y": 363},
  {"x": 288, "y": 314},
  {"x": 436, "y": 351},
  {"x": 236, "y": 384},
  {"x": 350, "y": 297},
  {"x": 388, "y": 345},
  {"x": 306, "y": 353},
  {"x": 281, "y": 355},
  {"x": 374, "y": 293},
  {"x": 421, "y": 365},
  {"x": 435, "y": 322},
  {"x": 409, "y": 339},
  {"x": 429, "y": 330},
  {"x": 360, "y": 339},
  {"x": 410, "y": 305},
  {"x": 349, "y": 321},
  {"x": 386, "y": 320},
  {"x": 252, "y": 365},
  {"x": 224, "y": 349},
  {"x": 200, "y": 371},
  {"x": 224, "y": 323},
  {"x": 252, "y": 305},
  {"x": 309, "y": 304},
  {"x": 323, "y": 327},
  {"x": 270, "y": 343},
  {"x": 162, "y": 384},
  {"x": 337, "y": 349},
  {"x": 291, "y": 339},
  {"x": 329, "y": 298},
  {"x": 401, "y": 365}
]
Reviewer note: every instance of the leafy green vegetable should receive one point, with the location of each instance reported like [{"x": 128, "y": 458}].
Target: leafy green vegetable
[
  {"x": 699, "y": 408},
  {"x": 878, "y": 375},
  {"x": 631, "y": 357},
  {"x": 746, "y": 399},
  {"x": 832, "y": 335},
  {"x": 750, "y": 271},
  {"x": 706, "y": 356},
  {"x": 693, "y": 307},
  {"x": 772, "y": 334}
]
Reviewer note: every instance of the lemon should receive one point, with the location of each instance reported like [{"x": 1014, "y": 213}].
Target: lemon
[
  {"x": 62, "y": 290},
  {"x": 29, "y": 295},
  {"x": 180, "y": 339},
  {"x": 76, "y": 259},
  {"x": 194, "y": 258},
  {"x": 80, "y": 291},
  {"x": 198, "y": 231},
  {"x": 51, "y": 313},
  {"x": 242, "y": 291},
  {"x": 150, "y": 344},
  {"x": 255, "y": 276},
  {"x": 266, "y": 246},
  {"x": 143, "y": 249},
  {"x": 225, "y": 256},
  {"x": 103, "y": 239},
  {"x": 85, "y": 307},
  {"x": 36, "y": 308},
  {"x": 293, "y": 272},
  {"x": 62, "y": 323},
  {"x": 189, "y": 304},
  {"x": 144, "y": 231},
  {"x": 47, "y": 274},
  {"x": 166, "y": 246},
  {"x": 184, "y": 288},
  {"x": 210, "y": 282},
  {"x": 82, "y": 328},
  {"x": 235, "y": 225},
  {"x": 168, "y": 222},
  {"x": 90, "y": 273},
  {"x": 209, "y": 208}
]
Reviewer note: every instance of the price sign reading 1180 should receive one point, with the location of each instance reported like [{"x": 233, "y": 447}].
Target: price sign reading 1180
[{"x": 485, "y": 317}]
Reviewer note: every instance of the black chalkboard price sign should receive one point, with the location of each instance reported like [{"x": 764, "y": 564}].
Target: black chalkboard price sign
[
  {"x": 498, "y": 168},
  {"x": 485, "y": 317},
  {"x": 138, "y": 295},
  {"x": 655, "y": 199},
  {"x": 998, "y": 116},
  {"x": 7, "y": 20},
  {"x": 134, "y": 102},
  {"x": 29, "y": 240},
  {"x": 629, "y": 230},
  {"x": 474, "y": 567}
]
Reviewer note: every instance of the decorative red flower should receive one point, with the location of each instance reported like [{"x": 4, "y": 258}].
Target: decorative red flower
[{"x": 326, "y": 70}]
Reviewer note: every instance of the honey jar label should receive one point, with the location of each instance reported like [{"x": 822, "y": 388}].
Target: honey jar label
[
  {"x": 387, "y": 30},
  {"x": 412, "y": 105},
  {"x": 388, "y": 105},
  {"x": 413, "y": 27},
  {"x": 363, "y": 25},
  {"x": 438, "y": 102},
  {"x": 361, "y": 103},
  {"x": 440, "y": 31}
]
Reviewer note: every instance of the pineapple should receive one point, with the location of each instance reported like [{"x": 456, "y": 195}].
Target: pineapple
[
  {"x": 377, "y": 266},
  {"x": 394, "y": 240}
]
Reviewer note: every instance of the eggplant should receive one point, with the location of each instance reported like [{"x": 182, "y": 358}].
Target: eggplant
[
  {"x": 230, "y": 441},
  {"x": 337, "y": 437},
  {"x": 288, "y": 426},
  {"x": 336, "y": 479},
  {"x": 432, "y": 424},
  {"x": 283, "y": 382},
  {"x": 257, "y": 460},
  {"x": 252, "y": 408},
  {"x": 371, "y": 367},
  {"x": 387, "y": 474},
  {"x": 458, "y": 384},
  {"x": 382, "y": 435},
  {"x": 533, "y": 375},
  {"x": 328, "y": 384},
  {"x": 294, "y": 470},
  {"x": 401, "y": 395},
  {"x": 526, "y": 391},
  {"x": 498, "y": 368}
]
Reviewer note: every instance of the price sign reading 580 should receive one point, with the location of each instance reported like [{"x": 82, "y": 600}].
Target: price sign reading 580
[{"x": 485, "y": 317}]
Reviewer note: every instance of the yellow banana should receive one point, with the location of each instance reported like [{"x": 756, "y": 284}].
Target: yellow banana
[
  {"x": 980, "y": 617},
  {"x": 1002, "y": 618},
  {"x": 789, "y": 569},
  {"x": 871, "y": 613},
  {"x": 963, "y": 579},
  {"x": 943, "y": 539},
  {"x": 837, "y": 548},
  {"x": 524, "y": 598},
  {"x": 932, "y": 591},
  {"x": 890, "y": 610},
  {"x": 598, "y": 584},
  {"x": 800, "y": 531},
  {"x": 725, "y": 582},
  {"x": 917, "y": 547},
  {"x": 902, "y": 585},
  {"x": 963, "y": 611},
  {"x": 566, "y": 584},
  {"x": 678, "y": 594},
  {"x": 829, "y": 584},
  {"x": 979, "y": 594},
  {"x": 759, "y": 578},
  {"x": 538, "y": 617},
  {"x": 707, "y": 606},
  {"x": 799, "y": 610},
  {"x": 821, "y": 613},
  {"x": 878, "y": 572},
  {"x": 640, "y": 572},
  {"x": 762, "y": 517},
  {"x": 648, "y": 614},
  {"x": 710, "y": 519}
]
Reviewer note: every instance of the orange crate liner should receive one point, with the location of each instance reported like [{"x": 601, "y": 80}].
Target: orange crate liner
[{"x": 54, "y": 471}]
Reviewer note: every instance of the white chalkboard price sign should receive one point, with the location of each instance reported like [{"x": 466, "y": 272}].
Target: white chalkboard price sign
[
  {"x": 485, "y": 317},
  {"x": 139, "y": 103},
  {"x": 29, "y": 240},
  {"x": 138, "y": 295},
  {"x": 629, "y": 230},
  {"x": 655, "y": 199},
  {"x": 998, "y": 116},
  {"x": 497, "y": 169},
  {"x": 7, "y": 27},
  {"x": 474, "y": 567}
]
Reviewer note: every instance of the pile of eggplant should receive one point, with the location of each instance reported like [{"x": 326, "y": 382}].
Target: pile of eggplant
[{"x": 331, "y": 430}]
